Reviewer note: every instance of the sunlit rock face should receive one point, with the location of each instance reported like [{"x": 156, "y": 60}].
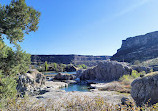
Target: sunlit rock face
[
  {"x": 141, "y": 48},
  {"x": 31, "y": 82},
  {"x": 144, "y": 90},
  {"x": 106, "y": 71}
]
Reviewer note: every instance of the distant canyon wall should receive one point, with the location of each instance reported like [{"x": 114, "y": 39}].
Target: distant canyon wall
[
  {"x": 67, "y": 59},
  {"x": 140, "y": 48}
]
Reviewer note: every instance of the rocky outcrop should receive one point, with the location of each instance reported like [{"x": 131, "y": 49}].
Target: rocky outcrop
[
  {"x": 63, "y": 76},
  {"x": 145, "y": 89},
  {"x": 106, "y": 71},
  {"x": 140, "y": 48},
  {"x": 30, "y": 82}
]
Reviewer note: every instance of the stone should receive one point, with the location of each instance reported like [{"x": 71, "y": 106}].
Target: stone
[
  {"x": 70, "y": 68},
  {"x": 106, "y": 71},
  {"x": 30, "y": 82},
  {"x": 144, "y": 90},
  {"x": 64, "y": 76}
]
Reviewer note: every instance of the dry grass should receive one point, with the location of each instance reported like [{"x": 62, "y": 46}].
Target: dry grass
[
  {"x": 151, "y": 74},
  {"x": 118, "y": 86},
  {"x": 75, "y": 104}
]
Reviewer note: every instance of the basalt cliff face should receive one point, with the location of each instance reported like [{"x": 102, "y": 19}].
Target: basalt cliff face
[
  {"x": 140, "y": 48},
  {"x": 88, "y": 60}
]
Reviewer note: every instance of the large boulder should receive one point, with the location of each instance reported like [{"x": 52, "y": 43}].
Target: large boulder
[
  {"x": 64, "y": 76},
  {"x": 30, "y": 82},
  {"x": 70, "y": 68},
  {"x": 145, "y": 89},
  {"x": 106, "y": 71}
]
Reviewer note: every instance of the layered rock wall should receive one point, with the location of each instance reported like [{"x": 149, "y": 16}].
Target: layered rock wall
[
  {"x": 141, "y": 48},
  {"x": 67, "y": 59}
]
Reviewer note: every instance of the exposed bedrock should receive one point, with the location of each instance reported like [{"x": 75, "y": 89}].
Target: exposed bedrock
[
  {"x": 106, "y": 71},
  {"x": 30, "y": 82},
  {"x": 140, "y": 48},
  {"x": 145, "y": 90}
]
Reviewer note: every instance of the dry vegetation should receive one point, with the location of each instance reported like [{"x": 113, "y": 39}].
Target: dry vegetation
[{"x": 74, "y": 104}]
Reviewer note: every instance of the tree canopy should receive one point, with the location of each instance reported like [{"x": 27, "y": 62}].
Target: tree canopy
[{"x": 17, "y": 19}]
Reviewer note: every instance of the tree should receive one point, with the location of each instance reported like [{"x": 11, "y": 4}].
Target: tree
[
  {"x": 16, "y": 20},
  {"x": 46, "y": 66},
  {"x": 14, "y": 62}
]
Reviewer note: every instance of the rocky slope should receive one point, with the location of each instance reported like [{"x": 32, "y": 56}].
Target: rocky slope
[
  {"x": 140, "y": 48},
  {"x": 67, "y": 59},
  {"x": 145, "y": 89}
]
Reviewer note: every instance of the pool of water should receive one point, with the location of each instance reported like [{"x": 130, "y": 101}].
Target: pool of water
[{"x": 76, "y": 87}]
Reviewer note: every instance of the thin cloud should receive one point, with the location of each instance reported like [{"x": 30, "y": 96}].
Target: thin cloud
[{"x": 132, "y": 8}]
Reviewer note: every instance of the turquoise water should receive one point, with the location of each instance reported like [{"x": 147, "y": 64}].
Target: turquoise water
[
  {"x": 49, "y": 73},
  {"x": 76, "y": 87}
]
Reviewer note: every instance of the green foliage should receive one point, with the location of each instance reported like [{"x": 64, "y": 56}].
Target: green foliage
[
  {"x": 7, "y": 88},
  {"x": 55, "y": 65},
  {"x": 46, "y": 66},
  {"x": 82, "y": 66},
  {"x": 62, "y": 67},
  {"x": 16, "y": 19},
  {"x": 127, "y": 79},
  {"x": 14, "y": 62}
]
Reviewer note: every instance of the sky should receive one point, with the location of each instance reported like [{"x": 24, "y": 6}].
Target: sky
[{"x": 88, "y": 27}]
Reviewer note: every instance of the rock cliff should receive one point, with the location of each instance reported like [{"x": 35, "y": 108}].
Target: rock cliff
[
  {"x": 145, "y": 89},
  {"x": 88, "y": 60},
  {"x": 141, "y": 48},
  {"x": 106, "y": 71}
]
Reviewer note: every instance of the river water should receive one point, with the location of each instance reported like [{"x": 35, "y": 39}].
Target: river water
[
  {"x": 72, "y": 87},
  {"x": 76, "y": 87}
]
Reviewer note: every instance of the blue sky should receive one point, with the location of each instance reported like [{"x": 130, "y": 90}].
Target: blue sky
[{"x": 88, "y": 27}]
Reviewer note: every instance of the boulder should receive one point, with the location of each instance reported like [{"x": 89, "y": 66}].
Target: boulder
[
  {"x": 70, "y": 68},
  {"x": 30, "y": 82},
  {"x": 106, "y": 71},
  {"x": 64, "y": 76},
  {"x": 144, "y": 90}
]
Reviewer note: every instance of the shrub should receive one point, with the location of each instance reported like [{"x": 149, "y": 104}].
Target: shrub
[
  {"x": 82, "y": 66},
  {"x": 7, "y": 89},
  {"x": 127, "y": 79}
]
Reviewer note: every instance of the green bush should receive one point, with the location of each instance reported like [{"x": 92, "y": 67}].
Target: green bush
[
  {"x": 82, "y": 66},
  {"x": 7, "y": 89},
  {"x": 127, "y": 79}
]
